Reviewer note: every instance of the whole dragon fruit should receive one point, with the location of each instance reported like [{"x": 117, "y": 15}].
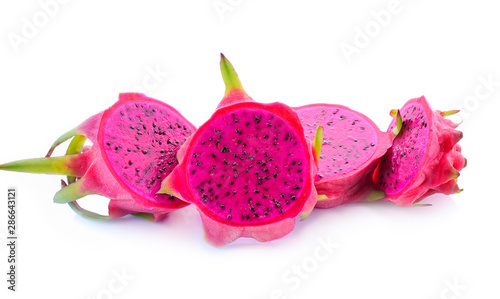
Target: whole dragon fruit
[
  {"x": 135, "y": 143},
  {"x": 352, "y": 147},
  {"x": 249, "y": 169},
  {"x": 425, "y": 157}
]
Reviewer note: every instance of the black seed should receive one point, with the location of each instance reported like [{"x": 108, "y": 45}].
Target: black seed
[
  {"x": 221, "y": 206},
  {"x": 213, "y": 155},
  {"x": 130, "y": 162},
  {"x": 229, "y": 217}
]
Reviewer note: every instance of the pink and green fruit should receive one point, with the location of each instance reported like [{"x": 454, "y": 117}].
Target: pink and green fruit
[
  {"x": 134, "y": 148},
  {"x": 352, "y": 147},
  {"x": 249, "y": 169},
  {"x": 425, "y": 157}
]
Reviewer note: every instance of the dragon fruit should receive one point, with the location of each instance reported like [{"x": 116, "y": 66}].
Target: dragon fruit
[
  {"x": 425, "y": 157},
  {"x": 352, "y": 147},
  {"x": 249, "y": 169},
  {"x": 135, "y": 142}
]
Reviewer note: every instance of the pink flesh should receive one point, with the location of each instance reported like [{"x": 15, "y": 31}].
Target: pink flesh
[
  {"x": 240, "y": 150},
  {"x": 141, "y": 140},
  {"x": 403, "y": 160},
  {"x": 348, "y": 139}
]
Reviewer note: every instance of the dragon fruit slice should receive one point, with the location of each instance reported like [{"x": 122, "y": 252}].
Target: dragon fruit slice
[
  {"x": 352, "y": 148},
  {"x": 425, "y": 157},
  {"x": 249, "y": 169},
  {"x": 135, "y": 143}
]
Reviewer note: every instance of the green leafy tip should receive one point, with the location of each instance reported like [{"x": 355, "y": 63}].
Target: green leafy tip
[
  {"x": 60, "y": 140},
  {"x": 399, "y": 125},
  {"x": 65, "y": 165},
  {"x": 318, "y": 141},
  {"x": 229, "y": 75},
  {"x": 448, "y": 113},
  {"x": 375, "y": 195}
]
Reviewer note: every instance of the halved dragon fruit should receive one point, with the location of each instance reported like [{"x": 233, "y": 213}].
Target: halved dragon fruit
[
  {"x": 249, "y": 169},
  {"x": 425, "y": 157},
  {"x": 352, "y": 147},
  {"x": 135, "y": 143}
]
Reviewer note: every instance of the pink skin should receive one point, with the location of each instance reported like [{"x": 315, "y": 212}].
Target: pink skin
[
  {"x": 339, "y": 182},
  {"x": 435, "y": 157}
]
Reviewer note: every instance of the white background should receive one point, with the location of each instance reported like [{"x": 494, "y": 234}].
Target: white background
[{"x": 79, "y": 58}]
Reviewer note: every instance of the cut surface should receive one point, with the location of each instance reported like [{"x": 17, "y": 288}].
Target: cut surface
[
  {"x": 348, "y": 139},
  {"x": 140, "y": 140},
  {"x": 248, "y": 167},
  {"x": 399, "y": 166}
]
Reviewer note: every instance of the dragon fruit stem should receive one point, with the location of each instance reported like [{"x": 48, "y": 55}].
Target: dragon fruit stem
[
  {"x": 229, "y": 75},
  {"x": 87, "y": 214},
  {"x": 71, "y": 192},
  {"x": 65, "y": 165},
  {"x": 60, "y": 140},
  {"x": 399, "y": 124},
  {"x": 318, "y": 141}
]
